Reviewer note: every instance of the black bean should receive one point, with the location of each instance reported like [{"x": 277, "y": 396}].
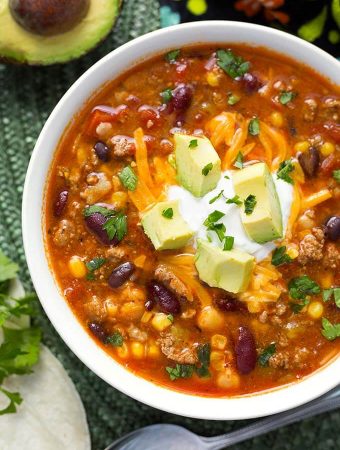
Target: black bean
[
  {"x": 60, "y": 203},
  {"x": 95, "y": 224},
  {"x": 166, "y": 300},
  {"x": 97, "y": 329},
  {"x": 228, "y": 303},
  {"x": 332, "y": 228},
  {"x": 309, "y": 161},
  {"x": 121, "y": 274},
  {"x": 102, "y": 151},
  {"x": 251, "y": 83},
  {"x": 181, "y": 97},
  {"x": 245, "y": 350}
]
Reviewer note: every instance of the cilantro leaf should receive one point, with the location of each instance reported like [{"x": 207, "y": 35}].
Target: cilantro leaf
[
  {"x": 330, "y": 331},
  {"x": 280, "y": 256},
  {"x": 300, "y": 287},
  {"x": 180, "y": 371},
  {"x": 249, "y": 204},
  {"x": 172, "y": 55},
  {"x": 286, "y": 97},
  {"x": 213, "y": 200},
  {"x": 203, "y": 354},
  {"x": 106, "y": 212},
  {"x": 233, "y": 99},
  {"x": 193, "y": 143},
  {"x": 14, "y": 399},
  {"x": 213, "y": 217},
  {"x": 218, "y": 228},
  {"x": 234, "y": 66},
  {"x": 254, "y": 126},
  {"x": 266, "y": 354},
  {"x": 94, "y": 265},
  {"x": 285, "y": 168},
  {"x": 327, "y": 294},
  {"x": 8, "y": 269},
  {"x": 168, "y": 213},
  {"x": 297, "y": 307},
  {"x": 170, "y": 317},
  {"x": 166, "y": 95},
  {"x": 236, "y": 200},
  {"x": 116, "y": 339},
  {"x": 336, "y": 175},
  {"x": 116, "y": 226},
  {"x": 239, "y": 161},
  {"x": 228, "y": 243},
  {"x": 206, "y": 169},
  {"x": 128, "y": 178}
]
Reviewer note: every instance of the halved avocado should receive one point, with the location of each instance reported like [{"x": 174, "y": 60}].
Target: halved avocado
[{"x": 22, "y": 46}]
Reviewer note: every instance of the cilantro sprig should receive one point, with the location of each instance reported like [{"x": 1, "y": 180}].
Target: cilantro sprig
[
  {"x": 285, "y": 168},
  {"x": 187, "y": 370},
  {"x": 266, "y": 354},
  {"x": 212, "y": 225},
  {"x": 330, "y": 331},
  {"x": 280, "y": 256},
  {"x": 233, "y": 65},
  {"x": 128, "y": 178}
]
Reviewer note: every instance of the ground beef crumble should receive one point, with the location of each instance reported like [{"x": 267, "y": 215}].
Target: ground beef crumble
[{"x": 311, "y": 247}]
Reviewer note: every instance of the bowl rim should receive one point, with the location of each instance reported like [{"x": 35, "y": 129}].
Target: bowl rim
[{"x": 60, "y": 314}]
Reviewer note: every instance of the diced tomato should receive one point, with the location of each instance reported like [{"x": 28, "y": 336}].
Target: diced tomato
[{"x": 104, "y": 114}]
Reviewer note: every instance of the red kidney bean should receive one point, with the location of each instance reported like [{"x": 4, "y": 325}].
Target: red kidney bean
[
  {"x": 245, "y": 350},
  {"x": 102, "y": 151},
  {"x": 95, "y": 224},
  {"x": 97, "y": 329},
  {"x": 60, "y": 203},
  {"x": 328, "y": 165},
  {"x": 166, "y": 300},
  {"x": 332, "y": 228},
  {"x": 309, "y": 161},
  {"x": 227, "y": 304},
  {"x": 251, "y": 83},
  {"x": 181, "y": 97},
  {"x": 121, "y": 274}
]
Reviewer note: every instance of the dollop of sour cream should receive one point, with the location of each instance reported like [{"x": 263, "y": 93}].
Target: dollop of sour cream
[{"x": 195, "y": 210}]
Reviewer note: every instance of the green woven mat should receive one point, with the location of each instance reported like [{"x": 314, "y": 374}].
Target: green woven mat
[{"x": 27, "y": 96}]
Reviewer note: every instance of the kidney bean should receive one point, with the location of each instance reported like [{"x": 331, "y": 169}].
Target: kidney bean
[
  {"x": 60, "y": 203},
  {"x": 228, "y": 303},
  {"x": 121, "y": 274},
  {"x": 95, "y": 224},
  {"x": 251, "y": 83},
  {"x": 245, "y": 350},
  {"x": 167, "y": 301},
  {"x": 328, "y": 165},
  {"x": 102, "y": 151},
  {"x": 309, "y": 161},
  {"x": 97, "y": 329},
  {"x": 181, "y": 97},
  {"x": 332, "y": 228}
]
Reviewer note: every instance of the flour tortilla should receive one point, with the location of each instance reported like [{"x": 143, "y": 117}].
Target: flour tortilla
[{"x": 51, "y": 416}]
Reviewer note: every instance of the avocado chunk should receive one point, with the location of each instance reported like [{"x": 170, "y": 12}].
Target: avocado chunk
[
  {"x": 229, "y": 270},
  {"x": 264, "y": 223},
  {"x": 19, "y": 45},
  {"x": 165, "y": 227},
  {"x": 198, "y": 164}
]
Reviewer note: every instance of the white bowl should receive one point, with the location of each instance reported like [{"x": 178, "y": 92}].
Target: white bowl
[{"x": 56, "y": 307}]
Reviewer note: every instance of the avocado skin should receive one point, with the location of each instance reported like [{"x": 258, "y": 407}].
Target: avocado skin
[{"x": 6, "y": 59}]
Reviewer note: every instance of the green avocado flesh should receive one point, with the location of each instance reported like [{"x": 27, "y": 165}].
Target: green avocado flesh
[{"x": 21, "y": 46}]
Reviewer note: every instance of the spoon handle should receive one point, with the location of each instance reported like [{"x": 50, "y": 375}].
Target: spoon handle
[{"x": 328, "y": 402}]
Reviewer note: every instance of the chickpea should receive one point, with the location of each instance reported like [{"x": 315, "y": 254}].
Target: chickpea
[{"x": 210, "y": 319}]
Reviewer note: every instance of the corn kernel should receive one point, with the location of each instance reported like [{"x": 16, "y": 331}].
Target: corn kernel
[
  {"x": 137, "y": 349},
  {"x": 146, "y": 317},
  {"x": 161, "y": 321},
  {"x": 302, "y": 146},
  {"x": 218, "y": 341},
  {"x": 153, "y": 351},
  {"x": 315, "y": 310},
  {"x": 292, "y": 252},
  {"x": 210, "y": 319},
  {"x": 213, "y": 79},
  {"x": 276, "y": 119},
  {"x": 327, "y": 280},
  {"x": 217, "y": 360},
  {"x": 228, "y": 379},
  {"x": 77, "y": 267},
  {"x": 327, "y": 148},
  {"x": 81, "y": 155},
  {"x": 254, "y": 306},
  {"x": 123, "y": 351},
  {"x": 119, "y": 199}
]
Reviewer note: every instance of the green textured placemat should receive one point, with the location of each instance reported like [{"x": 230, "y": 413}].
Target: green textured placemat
[{"x": 27, "y": 96}]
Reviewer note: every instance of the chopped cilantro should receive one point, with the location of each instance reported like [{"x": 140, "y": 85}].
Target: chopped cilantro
[
  {"x": 336, "y": 175},
  {"x": 236, "y": 199},
  {"x": 193, "y": 143},
  {"x": 266, "y": 354},
  {"x": 206, "y": 169},
  {"x": 14, "y": 399},
  {"x": 330, "y": 331},
  {"x": 226, "y": 177},
  {"x": 249, "y": 204},
  {"x": 327, "y": 294},
  {"x": 300, "y": 287},
  {"x": 172, "y": 55},
  {"x": 228, "y": 243},
  {"x": 106, "y": 212},
  {"x": 287, "y": 96},
  {"x": 234, "y": 66},
  {"x": 94, "y": 265},
  {"x": 168, "y": 213},
  {"x": 218, "y": 228},
  {"x": 166, "y": 95},
  {"x": 180, "y": 371},
  {"x": 285, "y": 168},
  {"x": 213, "y": 217},
  {"x": 116, "y": 339},
  {"x": 280, "y": 256},
  {"x": 233, "y": 99},
  {"x": 128, "y": 178},
  {"x": 170, "y": 317},
  {"x": 297, "y": 307},
  {"x": 254, "y": 126},
  {"x": 219, "y": 195},
  {"x": 116, "y": 226},
  {"x": 239, "y": 161}
]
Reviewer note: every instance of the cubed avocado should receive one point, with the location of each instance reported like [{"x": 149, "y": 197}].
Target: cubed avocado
[
  {"x": 229, "y": 270},
  {"x": 264, "y": 223},
  {"x": 165, "y": 227},
  {"x": 198, "y": 164}
]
